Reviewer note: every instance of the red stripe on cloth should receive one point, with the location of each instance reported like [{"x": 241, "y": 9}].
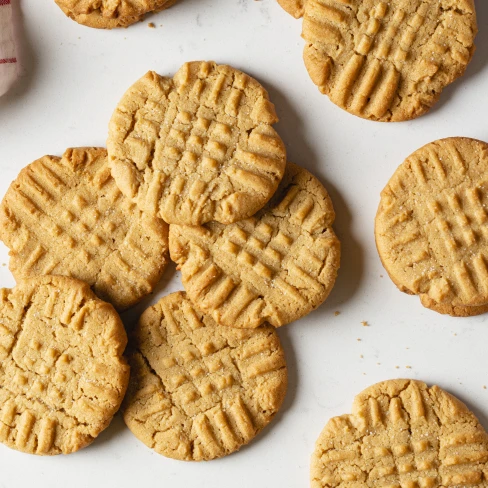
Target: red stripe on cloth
[
  {"x": 8, "y": 60},
  {"x": 4, "y": 2}
]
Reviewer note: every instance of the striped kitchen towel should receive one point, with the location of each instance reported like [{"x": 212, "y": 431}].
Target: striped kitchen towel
[{"x": 8, "y": 55}]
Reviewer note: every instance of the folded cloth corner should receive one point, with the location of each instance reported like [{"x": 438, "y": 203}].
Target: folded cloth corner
[{"x": 9, "y": 67}]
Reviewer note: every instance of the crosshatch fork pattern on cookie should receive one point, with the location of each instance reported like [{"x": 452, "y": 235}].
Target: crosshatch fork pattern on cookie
[
  {"x": 61, "y": 374},
  {"x": 197, "y": 147},
  {"x": 413, "y": 438},
  {"x": 273, "y": 267},
  {"x": 205, "y": 388},
  {"x": 386, "y": 60},
  {"x": 431, "y": 226},
  {"x": 67, "y": 216}
]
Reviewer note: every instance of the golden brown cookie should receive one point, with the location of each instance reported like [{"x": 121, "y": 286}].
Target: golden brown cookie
[
  {"x": 387, "y": 60},
  {"x": 431, "y": 226},
  {"x": 62, "y": 373},
  {"x": 199, "y": 391},
  {"x": 401, "y": 433},
  {"x": 447, "y": 309},
  {"x": 196, "y": 147},
  {"x": 274, "y": 267},
  {"x": 107, "y": 14},
  {"x": 293, "y": 7},
  {"x": 65, "y": 216}
]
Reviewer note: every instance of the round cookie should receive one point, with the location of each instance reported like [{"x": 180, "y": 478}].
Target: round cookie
[
  {"x": 293, "y": 7},
  {"x": 387, "y": 60},
  {"x": 402, "y": 433},
  {"x": 109, "y": 14},
  {"x": 197, "y": 147},
  {"x": 199, "y": 391},
  {"x": 453, "y": 311},
  {"x": 274, "y": 267},
  {"x": 62, "y": 371},
  {"x": 430, "y": 228},
  {"x": 65, "y": 216}
]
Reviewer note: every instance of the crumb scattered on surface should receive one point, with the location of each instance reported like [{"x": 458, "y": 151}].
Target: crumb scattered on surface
[
  {"x": 361, "y": 356},
  {"x": 397, "y": 367},
  {"x": 151, "y": 25},
  {"x": 408, "y": 367},
  {"x": 365, "y": 323},
  {"x": 455, "y": 334},
  {"x": 336, "y": 313},
  {"x": 381, "y": 276},
  {"x": 378, "y": 364},
  {"x": 4, "y": 264},
  {"x": 484, "y": 387},
  {"x": 358, "y": 339}
]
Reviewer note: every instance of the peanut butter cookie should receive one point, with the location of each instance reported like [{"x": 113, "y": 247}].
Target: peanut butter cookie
[
  {"x": 199, "y": 391},
  {"x": 107, "y": 14},
  {"x": 274, "y": 267},
  {"x": 196, "y": 147},
  {"x": 65, "y": 216},
  {"x": 454, "y": 311},
  {"x": 293, "y": 7},
  {"x": 431, "y": 230},
  {"x": 387, "y": 60},
  {"x": 62, "y": 373},
  {"x": 401, "y": 433}
]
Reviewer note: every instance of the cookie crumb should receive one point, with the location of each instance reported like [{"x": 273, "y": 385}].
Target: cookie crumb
[
  {"x": 408, "y": 367},
  {"x": 358, "y": 339},
  {"x": 361, "y": 356},
  {"x": 484, "y": 387},
  {"x": 4, "y": 264},
  {"x": 397, "y": 367},
  {"x": 151, "y": 25},
  {"x": 365, "y": 323},
  {"x": 378, "y": 364},
  {"x": 336, "y": 313},
  {"x": 381, "y": 276}
]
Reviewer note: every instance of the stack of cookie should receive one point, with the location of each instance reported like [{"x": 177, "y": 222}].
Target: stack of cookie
[
  {"x": 385, "y": 60},
  {"x": 194, "y": 166}
]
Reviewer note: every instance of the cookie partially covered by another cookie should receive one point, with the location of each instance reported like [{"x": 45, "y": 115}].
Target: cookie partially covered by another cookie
[
  {"x": 197, "y": 147},
  {"x": 432, "y": 226},
  {"x": 62, "y": 373},
  {"x": 274, "y": 267},
  {"x": 66, "y": 216},
  {"x": 387, "y": 60},
  {"x": 401, "y": 433},
  {"x": 107, "y": 14},
  {"x": 199, "y": 391}
]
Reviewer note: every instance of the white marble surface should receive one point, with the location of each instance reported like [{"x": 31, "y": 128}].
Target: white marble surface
[{"x": 74, "y": 76}]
